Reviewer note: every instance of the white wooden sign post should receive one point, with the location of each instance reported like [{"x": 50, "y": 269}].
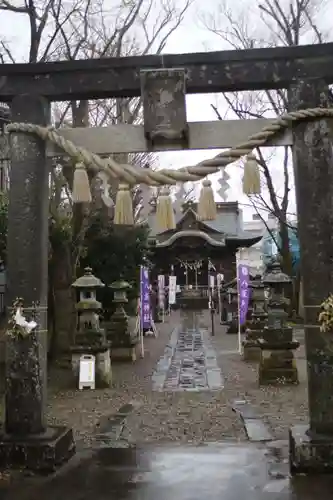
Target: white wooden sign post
[{"x": 87, "y": 372}]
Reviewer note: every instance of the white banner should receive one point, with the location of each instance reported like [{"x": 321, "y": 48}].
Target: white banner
[
  {"x": 219, "y": 279},
  {"x": 172, "y": 289},
  {"x": 161, "y": 291}
]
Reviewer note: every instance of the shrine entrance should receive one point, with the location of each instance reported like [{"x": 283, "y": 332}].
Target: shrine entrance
[
  {"x": 163, "y": 82},
  {"x": 194, "y": 273}
]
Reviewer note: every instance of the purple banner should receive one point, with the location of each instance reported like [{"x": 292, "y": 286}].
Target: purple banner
[
  {"x": 243, "y": 291},
  {"x": 144, "y": 298}
]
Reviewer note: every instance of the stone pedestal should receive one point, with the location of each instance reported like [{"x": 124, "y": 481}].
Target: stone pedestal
[
  {"x": 39, "y": 452},
  {"x": 310, "y": 453},
  {"x": 122, "y": 339},
  {"x": 123, "y": 342},
  {"x": 103, "y": 368},
  {"x": 103, "y": 371},
  {"x": 25, "y": 440},
  {"x": 251, "y": 347},
  {"x": 277, "y": 364},
  {"x": 251, "y": 350}
]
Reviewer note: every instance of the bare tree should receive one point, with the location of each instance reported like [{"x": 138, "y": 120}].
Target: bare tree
[
  {"x": 80, "y": 30},
  {"x": 280, "y": 22},
  {"x": 289, "y": 22}
]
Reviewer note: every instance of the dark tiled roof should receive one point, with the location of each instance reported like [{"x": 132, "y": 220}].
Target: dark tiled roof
[{"x": 226, "y": 226}]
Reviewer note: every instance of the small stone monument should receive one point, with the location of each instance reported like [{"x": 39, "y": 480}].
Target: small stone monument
[
  {"x": 121, "y": 339},
  {"x": 251, "y": 349},
  {"x": 89, "y": 336},
  {"x": 277, "y": 364}
]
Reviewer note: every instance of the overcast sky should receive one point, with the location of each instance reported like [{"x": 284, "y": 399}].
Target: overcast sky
[{"x": 190, "y": 37}]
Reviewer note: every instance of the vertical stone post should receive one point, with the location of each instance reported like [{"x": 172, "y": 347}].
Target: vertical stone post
[
  {"x": 26, "y": 441},
  {"x": 311, "y": 447},
  {"x": 27, "y": 266}
]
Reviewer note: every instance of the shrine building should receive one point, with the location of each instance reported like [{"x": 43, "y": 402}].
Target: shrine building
[{"x": 189, "y": 250}]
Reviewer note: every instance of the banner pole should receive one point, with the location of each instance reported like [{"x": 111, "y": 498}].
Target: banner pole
[
  {"x": 140, "y": 315},
  {"x": 238, "y": 305},
  {"x": 142, "y": 342}
]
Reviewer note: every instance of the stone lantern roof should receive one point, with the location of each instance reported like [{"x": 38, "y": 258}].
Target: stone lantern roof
[
  {"x": 120, "y": 285},
  {"x": 88, "y": 280},
  {"x": 275, "y": 276}
]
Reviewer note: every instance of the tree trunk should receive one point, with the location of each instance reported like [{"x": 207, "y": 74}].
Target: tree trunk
[
  {"x": 64, "y": 313},
  {"x": 62, "y": 272},
  {"x": 287, "y": 263}
]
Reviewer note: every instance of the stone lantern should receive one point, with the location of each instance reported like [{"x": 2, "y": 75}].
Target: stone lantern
[
  {"x": 277, "y": 364},
  {"x": 88, "y": 306},
  {"x": 89, "y": 336},
  {"x": 122, "y": 340},
  {"x": 251, "y": 349}
]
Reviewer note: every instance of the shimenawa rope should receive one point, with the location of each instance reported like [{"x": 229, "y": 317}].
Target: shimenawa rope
[
  {"x": 132, "y": 175},
  {"x": 129, "y": 175}
]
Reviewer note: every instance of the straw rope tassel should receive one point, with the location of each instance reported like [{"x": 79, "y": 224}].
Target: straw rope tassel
[
  {"x": 164, "y": 211},
  {"x": 123, "y": 212},
  {"x": 81, "y": 187},
  {"x": 251, "y": 178},
  {"x": 206, "y": 205}
]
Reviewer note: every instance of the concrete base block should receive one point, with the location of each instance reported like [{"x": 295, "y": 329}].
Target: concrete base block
[
  {"x": 278, "y": 367},
  {"x": 278, "y": 376},
  {"x": 124, "y": 353},
  {"x": 42, "y": 453},
  {"x": 251, "y": 353},
  {"x": 309, "y": 453}
]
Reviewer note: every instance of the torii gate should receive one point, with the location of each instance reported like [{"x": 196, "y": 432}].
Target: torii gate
[{"x": 29, "y": 88}]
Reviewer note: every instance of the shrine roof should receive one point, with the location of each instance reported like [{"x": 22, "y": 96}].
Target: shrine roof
[{"x": 226, "y": 226}]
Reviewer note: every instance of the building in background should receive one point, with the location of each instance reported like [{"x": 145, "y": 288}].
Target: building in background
[
  {"x": 271, "y": 242},
  {"x": 255, "y": 256},
  {"x": 258, "y": 255}
]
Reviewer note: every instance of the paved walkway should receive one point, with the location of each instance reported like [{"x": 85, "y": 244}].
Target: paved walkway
[
  {"x": 223, "y": 471},
  {"x": 189, "y": 362}
]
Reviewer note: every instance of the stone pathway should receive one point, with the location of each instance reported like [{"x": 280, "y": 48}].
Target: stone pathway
[
  {"x": 182, "y": 416},
  {"x": 189, "y": 363}
]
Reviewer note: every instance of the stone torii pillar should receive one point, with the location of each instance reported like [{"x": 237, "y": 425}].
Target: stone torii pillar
[
  {"x": 311, "y": 446},
  {"x": 26, "y": 441}
]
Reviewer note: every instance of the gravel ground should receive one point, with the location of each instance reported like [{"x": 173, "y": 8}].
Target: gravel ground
[
  {"x": 182, "y": 417},
  {"x": 280, "y": 407}
]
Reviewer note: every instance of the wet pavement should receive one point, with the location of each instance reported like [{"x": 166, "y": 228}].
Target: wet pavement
[
  {"x": 189, "y": 363},
  {"x": 225, "y": 471}
]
